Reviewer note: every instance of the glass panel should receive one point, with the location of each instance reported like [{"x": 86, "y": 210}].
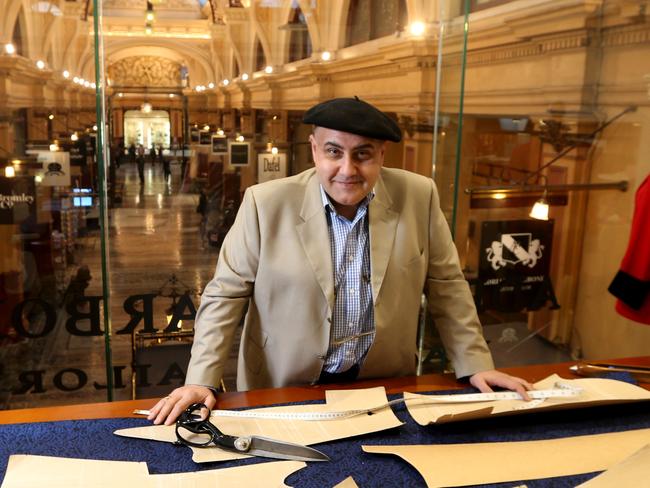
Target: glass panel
[
  {"x": 503, "y": 103},
  {"x": 51, "y": 343},
  {"x": 545, "y": 121}
]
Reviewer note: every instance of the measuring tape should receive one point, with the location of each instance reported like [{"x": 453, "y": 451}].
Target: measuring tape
[{"x": 538, "y": 396}]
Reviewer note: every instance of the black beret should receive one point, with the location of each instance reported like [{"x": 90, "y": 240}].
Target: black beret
[{"x": 354, "y": 116}]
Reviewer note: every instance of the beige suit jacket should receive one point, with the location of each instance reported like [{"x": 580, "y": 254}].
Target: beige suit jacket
[{"x": 275, "y": 266}]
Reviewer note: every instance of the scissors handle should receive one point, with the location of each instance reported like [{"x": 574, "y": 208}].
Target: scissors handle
[{"x": 196, "y": 424}]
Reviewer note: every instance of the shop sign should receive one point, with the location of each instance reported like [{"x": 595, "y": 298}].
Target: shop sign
[
  {"x": 514, "y": 265},
  {"x": 205, "y": 138},
  {"x": 240, "y": 153},
  {"x": 219, "y": 145},
  {"x": 56, "y": 168},
  {"x": 271, "y": 166},
  {"x": 77, "y": 151},
  {"x": 17, "y": 199}
]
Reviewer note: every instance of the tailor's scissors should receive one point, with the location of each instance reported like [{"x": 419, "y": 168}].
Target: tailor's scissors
[{"x": 196, "y": 430}]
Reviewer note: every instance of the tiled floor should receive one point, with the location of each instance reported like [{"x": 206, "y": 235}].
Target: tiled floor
[{"x": 154, "y": 238}]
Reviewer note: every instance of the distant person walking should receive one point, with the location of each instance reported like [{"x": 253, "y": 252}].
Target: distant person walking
[
  {"x": 140, "y": 161},
  {"x": 167, "y": 171}
]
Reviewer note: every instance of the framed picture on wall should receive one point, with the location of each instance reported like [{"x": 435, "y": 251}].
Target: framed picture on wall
[
  {"x": 219, "y": 145},
  {"x": 239, "y": 153},
  {"x": 205, "y": 138}
]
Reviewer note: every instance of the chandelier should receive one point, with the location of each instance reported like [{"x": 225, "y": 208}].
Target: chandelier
[{"x": 145, "y": 108}]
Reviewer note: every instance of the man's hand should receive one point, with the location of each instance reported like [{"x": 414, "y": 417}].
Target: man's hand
[
  {"x": 169, "y": 408},
  {"x": 486, "y": 379}
]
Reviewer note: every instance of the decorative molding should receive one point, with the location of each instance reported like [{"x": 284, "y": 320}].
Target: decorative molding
[
  {"x": 148, "y": 71},
  {"x": 626, "y": 35}
]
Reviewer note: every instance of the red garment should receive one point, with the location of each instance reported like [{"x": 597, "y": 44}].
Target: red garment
[{"x": 631, "y": 285}]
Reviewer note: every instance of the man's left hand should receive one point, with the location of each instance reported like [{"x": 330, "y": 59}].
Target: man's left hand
[{"x": 485, "y": 380}]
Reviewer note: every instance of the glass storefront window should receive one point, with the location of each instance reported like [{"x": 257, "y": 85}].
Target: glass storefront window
[{"x": 505, "y": 104}]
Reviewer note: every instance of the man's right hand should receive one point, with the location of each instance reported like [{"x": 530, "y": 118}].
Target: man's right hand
[{"x": 169, "y": 408}]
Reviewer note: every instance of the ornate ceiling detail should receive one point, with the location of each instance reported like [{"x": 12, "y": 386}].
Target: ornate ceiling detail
[{"x": 148, "y": 71}]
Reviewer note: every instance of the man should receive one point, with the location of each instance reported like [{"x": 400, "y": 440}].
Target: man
[{"x": 330, "y": 265}]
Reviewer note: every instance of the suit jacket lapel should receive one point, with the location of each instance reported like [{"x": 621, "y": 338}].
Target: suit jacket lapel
[
  {"x": 383, "y": 226},
  {"x": 315, "y": 238}
]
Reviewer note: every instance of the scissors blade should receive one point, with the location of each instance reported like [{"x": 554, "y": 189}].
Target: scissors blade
[{"x": 265, "y": 447}]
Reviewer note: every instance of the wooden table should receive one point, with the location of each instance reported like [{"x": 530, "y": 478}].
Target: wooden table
[{"x": 253, "y": 398}]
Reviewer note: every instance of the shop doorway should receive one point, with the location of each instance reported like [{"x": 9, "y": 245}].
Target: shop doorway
[{"x": 147, "y": 128}]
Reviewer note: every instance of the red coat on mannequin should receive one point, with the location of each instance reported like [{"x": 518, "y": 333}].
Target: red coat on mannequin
[{"x": 631, "y": 285}]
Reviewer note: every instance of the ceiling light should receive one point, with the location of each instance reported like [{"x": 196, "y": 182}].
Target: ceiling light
[
  {"x": 10, "y": 48},
  {"x": 95, "y": 128},
  {"x": 66, "y": 73},
  {"x": 210, "y": 85},
  {"x": 326, "y": 55},
  {"x": 10, "y": 172},
  {"x": 40, "y": 64},
  {"x": 226, "y": 82},
  {"x": 120, "y": 94},
  {"x": 244, "y": 76},
  {"x": 146, "y": 108},
  {"x": 268, "y": 69},
  {"x": 74, "y": 137},
  {"x": 171, "y": 95},
  {"x": 148, "y": 30},
  {"x": 150, "y": 17},
  {"x": 499, "y": 196},
  {"x": 51, "y": 116}
]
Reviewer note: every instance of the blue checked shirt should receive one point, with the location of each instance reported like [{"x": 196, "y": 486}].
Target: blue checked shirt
[{"x": 353, "y": 322}]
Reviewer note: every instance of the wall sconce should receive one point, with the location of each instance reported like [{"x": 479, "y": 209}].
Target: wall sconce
[
  {"x": 10, "y": 48},
  {"x": 10, "y": 171},
  {"x": 520, "y": 195},
  {"x": 540, "y": 209},
  {"x": 417, "y": 28}
]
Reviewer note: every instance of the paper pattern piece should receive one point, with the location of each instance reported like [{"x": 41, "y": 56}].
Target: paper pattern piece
[
  {"x": 303, "y": 432},
  {"x": 26, "y": 471},
  {"x": 595, "y": 391},
  {"x": 498, "y": 462},
  {"x": 29, "y": 471},
  {"x": 629, "y": 472},
  {"x": 347, "y": 483}
]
